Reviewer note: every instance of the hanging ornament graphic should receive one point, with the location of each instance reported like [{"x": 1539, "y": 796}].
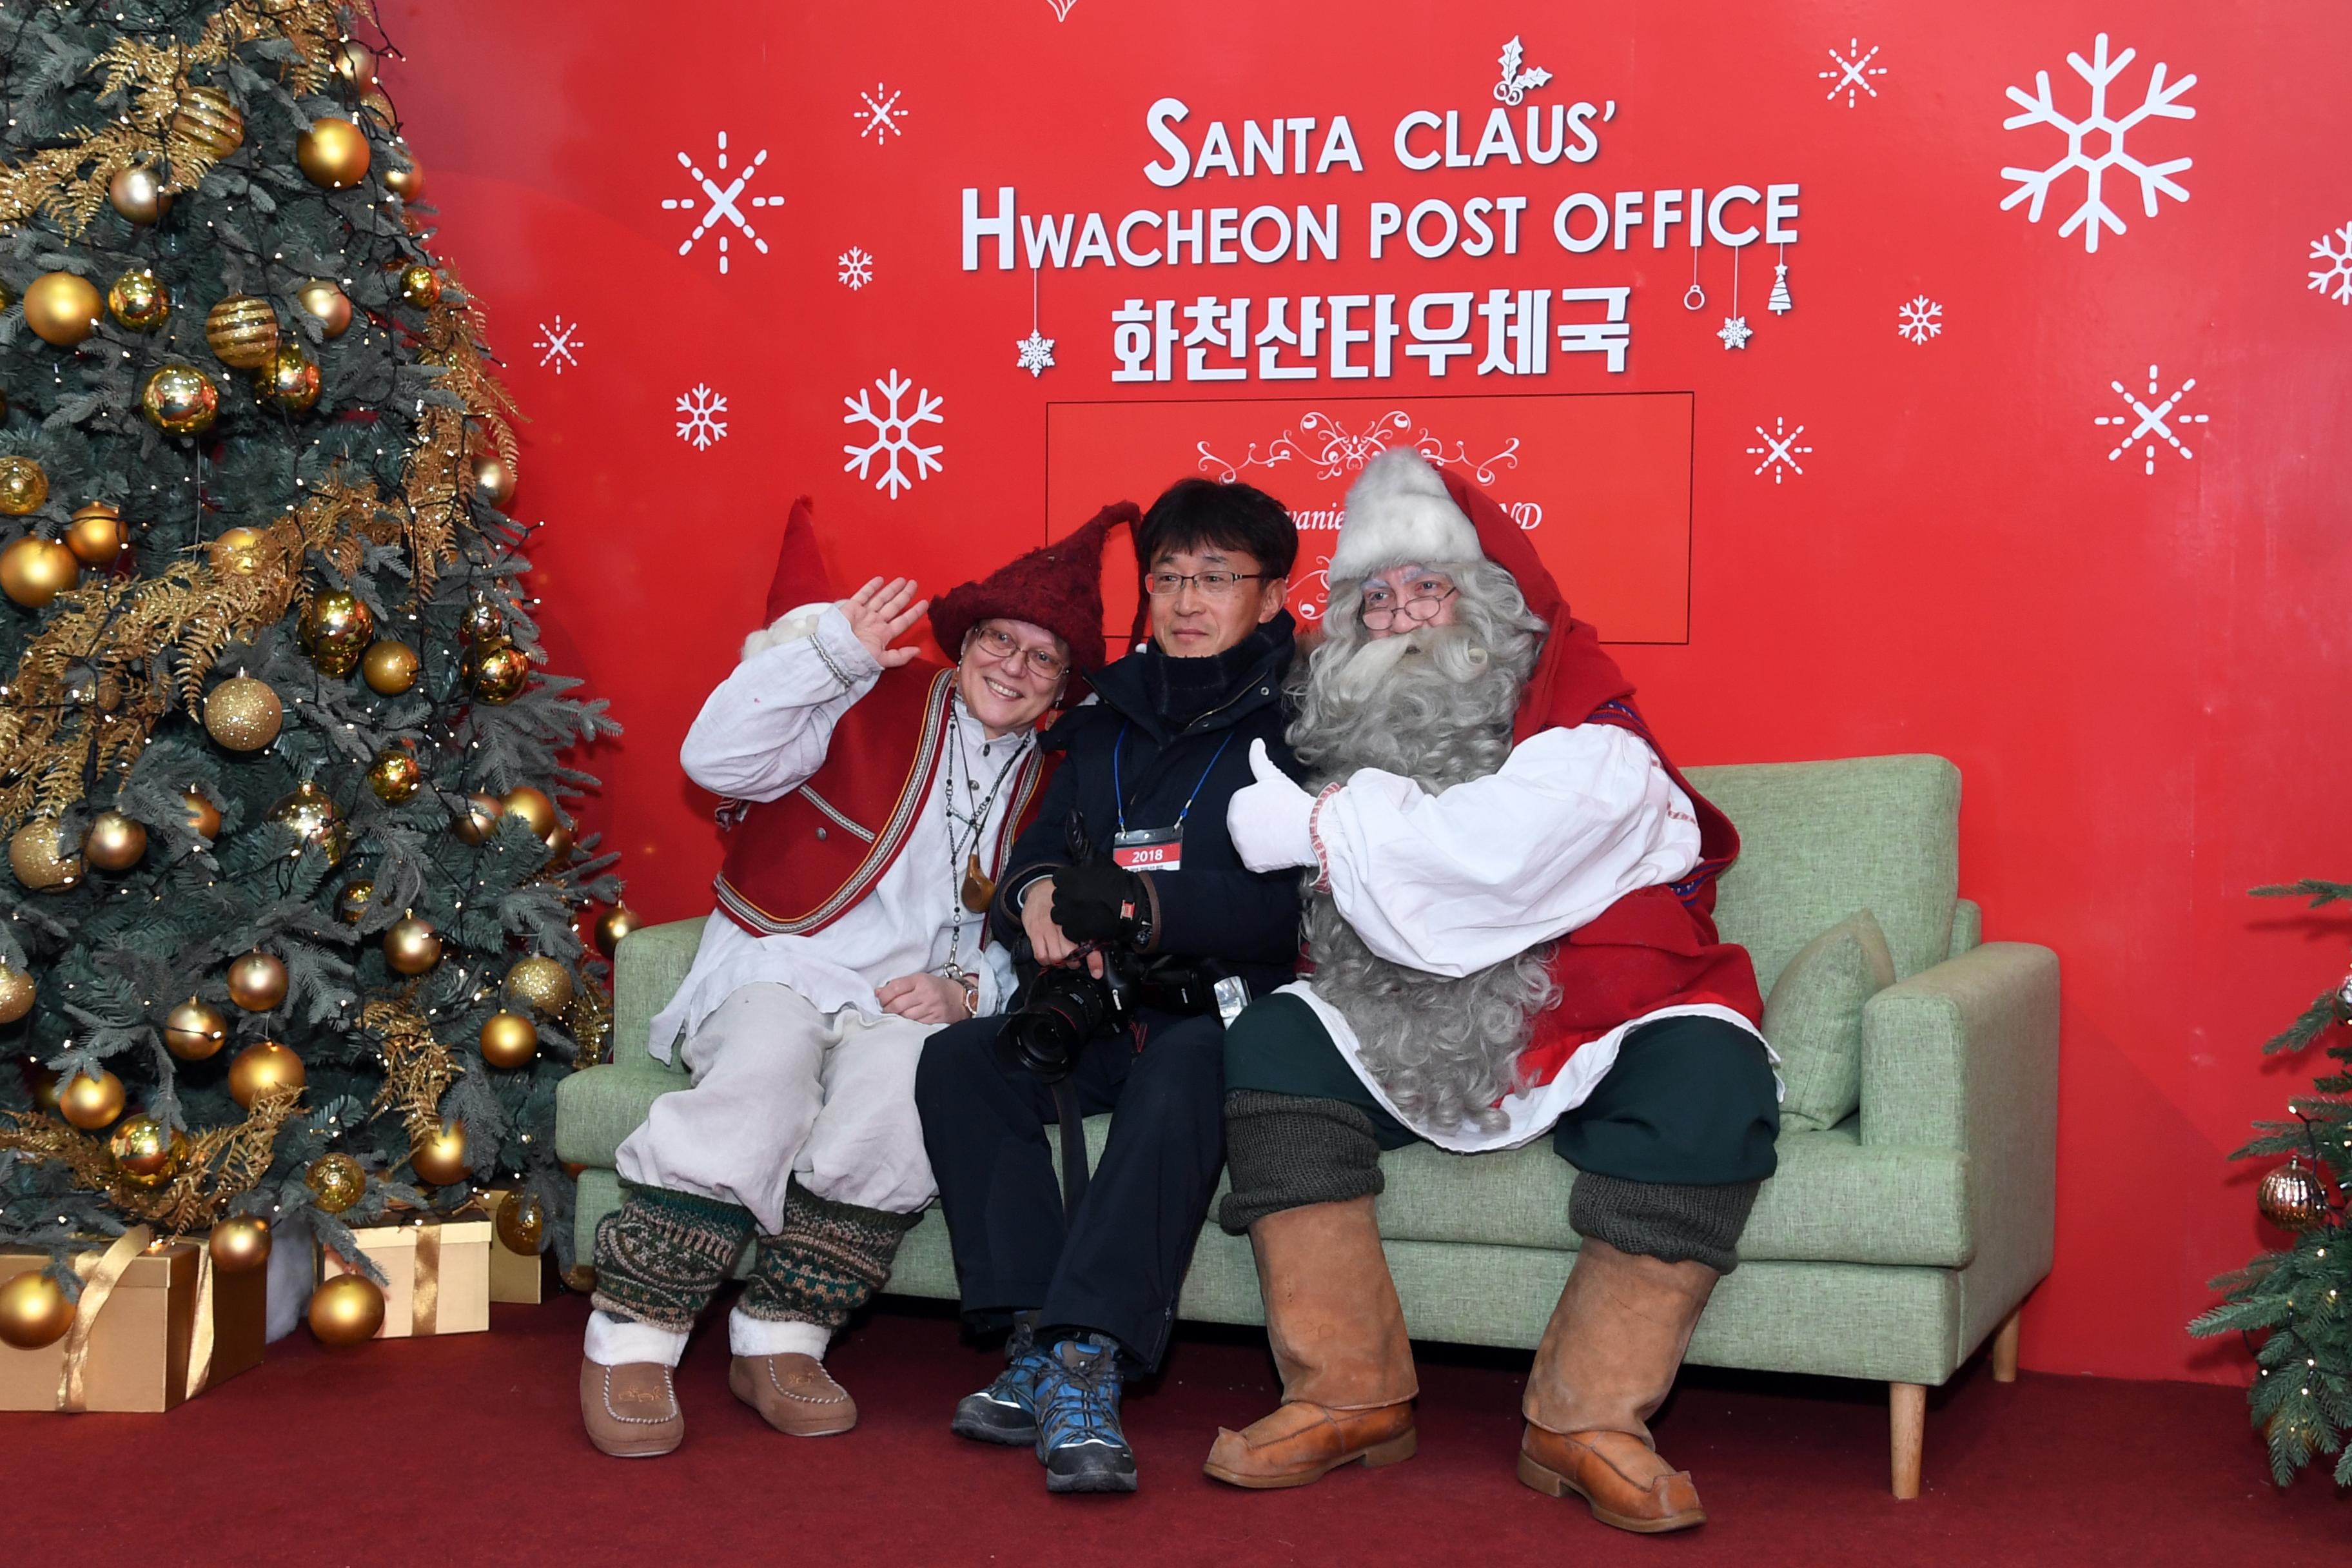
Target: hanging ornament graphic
[
  {"x": 1780, "y": 304},
  {"x": 1694, "y": 297},
  {"x": 1036, "y": 350},
  {"x": 1736, "y": 330}
]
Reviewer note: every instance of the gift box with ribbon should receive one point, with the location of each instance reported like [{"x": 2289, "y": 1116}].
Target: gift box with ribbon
[
  {"x": 156, "y": 1325},
  {"x": 437, "y": 1275}
]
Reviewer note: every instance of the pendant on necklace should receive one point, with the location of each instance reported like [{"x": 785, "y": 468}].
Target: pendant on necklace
[{"x": 979, "y": 887}]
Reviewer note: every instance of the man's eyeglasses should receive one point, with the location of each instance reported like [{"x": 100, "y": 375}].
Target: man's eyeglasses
[
  {"x": 1420, "y": 605},
  {"x": 1000, "y": 645},
  {"x": 1213, "y": 584}
]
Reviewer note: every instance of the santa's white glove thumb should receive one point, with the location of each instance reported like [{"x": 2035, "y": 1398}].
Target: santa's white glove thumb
[{"x": 1269, "y": 821}]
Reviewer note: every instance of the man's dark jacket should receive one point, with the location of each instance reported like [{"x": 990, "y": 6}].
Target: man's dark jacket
[{"x": 1167, "y": 717}]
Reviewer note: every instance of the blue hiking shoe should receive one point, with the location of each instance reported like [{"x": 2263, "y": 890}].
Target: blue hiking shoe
[
  {"x": 1079, "y": 1437},
  {"x": 1006, "y": 1410}
]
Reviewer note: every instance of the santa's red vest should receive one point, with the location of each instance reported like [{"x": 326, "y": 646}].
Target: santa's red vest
[{"x": 796, "y": 863}]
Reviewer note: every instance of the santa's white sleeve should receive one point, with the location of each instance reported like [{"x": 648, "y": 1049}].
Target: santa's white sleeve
[
  {"x": 763, "y": 732},
  {"x": 1451, "y": 883}
]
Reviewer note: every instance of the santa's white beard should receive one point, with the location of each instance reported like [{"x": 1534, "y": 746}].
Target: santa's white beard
[{"x": 1436, "y": 706}]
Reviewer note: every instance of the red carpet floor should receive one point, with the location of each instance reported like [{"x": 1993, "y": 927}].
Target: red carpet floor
[{"x": 467, "y": 1450}]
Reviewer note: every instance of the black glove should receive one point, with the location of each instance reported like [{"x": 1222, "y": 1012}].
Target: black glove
[{"x": 1098, "y": 902}]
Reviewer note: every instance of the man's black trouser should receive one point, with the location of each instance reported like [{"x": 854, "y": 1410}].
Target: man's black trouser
[{"x": 1115, "y": 1265}]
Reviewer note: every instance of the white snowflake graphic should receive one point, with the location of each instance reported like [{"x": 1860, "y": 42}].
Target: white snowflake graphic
[
  {"x": 719, "y": 206},
  {"x": 881, "y": 114},
  {"x": 1062, "y": 9},
  {"x": 2334, "y": 281},
  {"x": 701, "y": 427},
  {"x": 1920, "y": 319},
  {"x": 2095, "y": 144},
  {"x": 1036, "y": 354},
  {"x": 2154, "y": 420},
  {"x": 893, "y": 434},
  {"x": 857, "y": 267},
  {"x": 1736, "y": 332},
  {"x": 557, "y": 344},
  {"x": 1853, "y": 73},
  {"x": 1780, "y": 450}
]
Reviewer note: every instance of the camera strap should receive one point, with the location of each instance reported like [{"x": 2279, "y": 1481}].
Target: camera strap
[{"x": 1074, "y": 1148}]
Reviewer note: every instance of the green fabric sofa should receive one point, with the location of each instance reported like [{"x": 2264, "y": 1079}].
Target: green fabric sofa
[{"x": 1889, "y": 1246}]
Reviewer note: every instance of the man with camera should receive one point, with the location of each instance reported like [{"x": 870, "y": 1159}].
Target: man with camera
[
  {"x": 1142, "y": 932},
  {"x": 872, "y": 796}
]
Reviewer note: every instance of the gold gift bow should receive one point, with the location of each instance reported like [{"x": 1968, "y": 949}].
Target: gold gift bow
[
  {"x": 424, "y": 1287},
  {"x": 100, "y": 1274}
]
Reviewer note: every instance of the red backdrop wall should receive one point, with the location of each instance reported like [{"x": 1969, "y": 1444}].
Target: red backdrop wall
[{"x": 2135, "y": 660}]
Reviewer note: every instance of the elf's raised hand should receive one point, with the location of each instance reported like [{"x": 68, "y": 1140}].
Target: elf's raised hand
[
  {"x": 1269, "y": 820},
  {"x": 880, "y": 614}
]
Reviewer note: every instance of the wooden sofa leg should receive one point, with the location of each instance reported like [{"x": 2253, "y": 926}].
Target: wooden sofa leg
[
  {"x": 1907, "y": 1407},
  {"x": 2004, "y": 1349}
]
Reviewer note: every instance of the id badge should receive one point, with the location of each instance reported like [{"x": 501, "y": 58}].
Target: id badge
[{"x": 1148, "y": 849}]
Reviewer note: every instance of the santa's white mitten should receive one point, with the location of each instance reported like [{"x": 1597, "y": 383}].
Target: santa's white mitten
[{"x": 1270, "y": 821}]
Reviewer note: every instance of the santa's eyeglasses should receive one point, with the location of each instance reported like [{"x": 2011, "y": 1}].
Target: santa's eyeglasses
[
  {"x": 998, "y": 643},
  {"x": 1420, "y": 605}
]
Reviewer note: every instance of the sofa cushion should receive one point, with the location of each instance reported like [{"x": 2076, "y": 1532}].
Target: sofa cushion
[{"x": 1813, "y": 1018}]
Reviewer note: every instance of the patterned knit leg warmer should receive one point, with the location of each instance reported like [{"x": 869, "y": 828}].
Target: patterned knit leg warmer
[
  {"x": 826, "y": 1261},
  {"x": 1287, "y": 1151},
  {"x": 1672, "y": 1223},
  {"x": 662, "y": 1253}
]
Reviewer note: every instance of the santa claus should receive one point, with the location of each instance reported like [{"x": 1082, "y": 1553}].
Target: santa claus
[{"x": 1511, "y": 935}]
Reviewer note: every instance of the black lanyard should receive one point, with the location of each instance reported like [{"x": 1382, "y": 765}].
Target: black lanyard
[{"x": 1118, "y": 790}]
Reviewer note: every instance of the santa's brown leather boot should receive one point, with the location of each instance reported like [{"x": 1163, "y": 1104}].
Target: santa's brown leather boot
[
  {"x": 793, "y": 1394},
  {"x": 1337, "y": 1333},
  {"x": 631, "y": 1410},
  {"x": 1608, "y": 1358}
]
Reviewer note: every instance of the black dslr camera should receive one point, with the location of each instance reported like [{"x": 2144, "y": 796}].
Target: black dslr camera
[{"x": 1064, "y": 1009}]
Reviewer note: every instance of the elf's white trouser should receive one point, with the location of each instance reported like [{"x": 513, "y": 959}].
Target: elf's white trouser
[{"x": 779, "y": 1091}]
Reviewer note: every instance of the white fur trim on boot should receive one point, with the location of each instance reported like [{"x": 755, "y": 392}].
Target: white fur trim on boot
[
  {"x": 1398, "y": 509},
  {"x": 767, "y": 1336},
  {"x": 790, "y": 626},
  {"x": 617, "y": 1341}
]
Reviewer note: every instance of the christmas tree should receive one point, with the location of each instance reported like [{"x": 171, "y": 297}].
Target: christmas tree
[
  {"x": 2297, "y": 1304},
  {"x": 292, "y": 925}
]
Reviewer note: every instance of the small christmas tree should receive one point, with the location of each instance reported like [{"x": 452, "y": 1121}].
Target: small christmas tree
[
  {"x": 2297, "y": 1303},
  {"x": 291, "y": 928}
]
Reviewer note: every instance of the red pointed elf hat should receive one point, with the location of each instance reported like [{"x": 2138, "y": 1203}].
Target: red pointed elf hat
[
  {"x": 800, "y": 577},
  {"x": 1057, "y": 586}
]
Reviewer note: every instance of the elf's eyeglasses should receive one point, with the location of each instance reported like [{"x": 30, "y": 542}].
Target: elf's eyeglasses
[{"x": 996, "y": 643}]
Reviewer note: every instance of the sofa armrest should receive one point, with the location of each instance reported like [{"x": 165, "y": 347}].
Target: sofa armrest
[{"x": 648, "y": 967}]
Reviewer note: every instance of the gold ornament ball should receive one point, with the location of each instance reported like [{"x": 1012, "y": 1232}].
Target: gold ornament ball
[
  {"x": 179, "y": 400},
  {"x": 412, "y": 946},
  {"x": 138, "y": 193},
  {"x": 352, "y": 902},
  {"x": 139, "y": 301},
  {"x": 243, "y": 331},
  {"x": 321, "y": 300},
  {"x": 407, "y": 184},
  {"x": 497, "y": 671},
  {"x": 336, "y": 629},
  {"x": 96, "y": 534},
  {"x": 333, "y": 154},
  {"x": 612, "y": 925},
  {"x": 395, "y": 776},
  {"x": 508, "y": 1039},
  {"x": 203, "y": 816},
  {"x": 440, "y": 1160},
  {"x": 38, "y": 855},
  {"x": 24, "y": 486},
  {"x": 239, "y": 1243},
  {"x": 336, "y": 1181},
  {"x": 17, "y": 993},
  {"x": 346, "y": 1310},
  {"x": 207, "y": 117},
  {"x": 310, "y": 815},
  {"x": 144, "y": 1153},
  {"x": 90, "y": 1103},
  {"x": 542, "y": 982},
  {"x": 537, "y": 811},
  {"x": 479, "y": 820},
  {"x": 33, "y": 1311},
  {"x": 290, "y": 381},
  {"x": 243, "y": 714},
  {"x": 494, "y": 481},
  {"x": 483, "y": 622},
  {"x": 195, "y": 1030},
  {"x": 33, "y": 570},
  {"x": 389, "y": 666},
  {"x": 2292, "y": 1198},
  {"x": 62, "y": 308},
  {"x": 523, "y": 1224},
  {"x": 355, "y": 65},
  {"x": 257, "y": 981},
  {"x": 236, "y": 553},
  {"x": 261, "y": 1067},
  {"x": 420, "y": 286},
  {"x": 114, "y": 842}
]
